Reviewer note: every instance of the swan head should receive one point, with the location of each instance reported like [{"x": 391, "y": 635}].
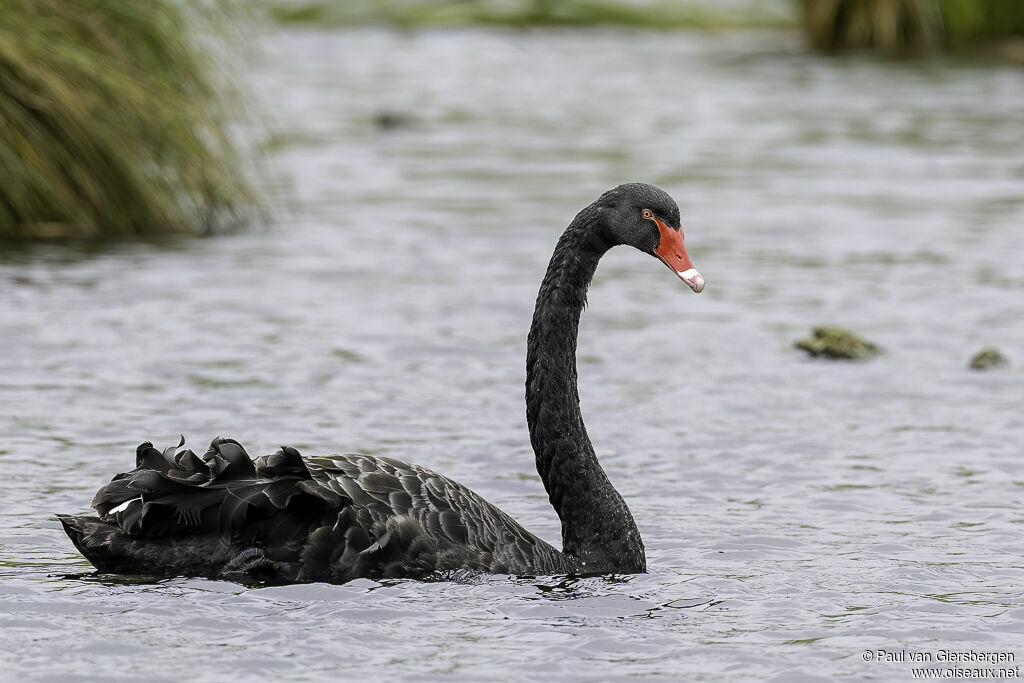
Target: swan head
[{"x": 647, "y": 218}]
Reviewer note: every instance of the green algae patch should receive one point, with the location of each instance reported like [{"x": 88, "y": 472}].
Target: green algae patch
[
  {"x": 988, "y": 359},
  {"x": 838, "y": 344}
]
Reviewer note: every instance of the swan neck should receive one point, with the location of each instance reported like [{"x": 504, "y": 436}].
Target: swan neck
[{"x": 597, "y": 527}]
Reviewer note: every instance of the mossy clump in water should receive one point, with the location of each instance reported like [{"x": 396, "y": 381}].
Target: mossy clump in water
[
  {"x": 113, "y": 120},
  {"x": 837, "y": 343},
  {"x": 987, "y": 359}
]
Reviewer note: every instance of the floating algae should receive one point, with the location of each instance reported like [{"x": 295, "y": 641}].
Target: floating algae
[
  {"x": 987, "y": 359},
  {"x": 837, "y": 343}
]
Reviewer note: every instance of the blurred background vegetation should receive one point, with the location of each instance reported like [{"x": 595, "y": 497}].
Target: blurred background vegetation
[
  {"x": 897, "y": 26},
  {"x": 900, "y": 27},
  {"x": 116, "y": 119}
]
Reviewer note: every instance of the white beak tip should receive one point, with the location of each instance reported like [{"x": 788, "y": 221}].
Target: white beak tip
[{"x": 693, "y": 279}]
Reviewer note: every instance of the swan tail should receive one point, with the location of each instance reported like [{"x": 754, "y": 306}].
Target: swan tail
[
  {"x": 219, "y": 513},
  {"x": 78, "y": 529},
  {"x": 110, "y": 550}
]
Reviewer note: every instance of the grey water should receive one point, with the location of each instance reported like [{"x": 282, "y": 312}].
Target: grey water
[{"x": 797, "y": 513}]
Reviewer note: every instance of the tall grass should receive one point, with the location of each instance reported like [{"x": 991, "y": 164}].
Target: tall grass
[
  {"x": 908, "y": 26},
  {"x": 973, "y": 20},
  {"x": 895, "y": 26},
  {"x": 111, "y": 122}
]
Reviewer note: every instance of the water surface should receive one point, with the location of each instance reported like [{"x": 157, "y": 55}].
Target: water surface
[{"x": 796, "y": 513}]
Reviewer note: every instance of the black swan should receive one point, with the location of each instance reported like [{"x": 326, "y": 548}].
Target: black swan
[{"x": 289, "y": 518}]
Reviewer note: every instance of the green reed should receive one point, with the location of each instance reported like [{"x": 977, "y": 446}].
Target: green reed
[{"x": 113, "y": 121}]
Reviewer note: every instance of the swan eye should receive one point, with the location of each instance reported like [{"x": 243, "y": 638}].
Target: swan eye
[{"x": 647, "y": 214}]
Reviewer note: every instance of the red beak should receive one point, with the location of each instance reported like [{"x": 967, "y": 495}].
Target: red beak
[{"x": 672, "y": 252}]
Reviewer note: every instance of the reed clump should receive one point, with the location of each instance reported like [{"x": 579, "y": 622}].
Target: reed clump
[
  {"x": 112, "y": 122},
  {"x": 971, "y": 21},
  {"x": 899, "y": 27}
]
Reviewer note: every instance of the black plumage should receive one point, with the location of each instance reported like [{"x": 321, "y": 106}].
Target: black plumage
[{"x": 288, "y": 518}]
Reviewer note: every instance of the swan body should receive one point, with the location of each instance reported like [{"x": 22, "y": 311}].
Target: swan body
[
  {"x": 291, "y": 518},
  {"x": 286, "y": 518}
]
